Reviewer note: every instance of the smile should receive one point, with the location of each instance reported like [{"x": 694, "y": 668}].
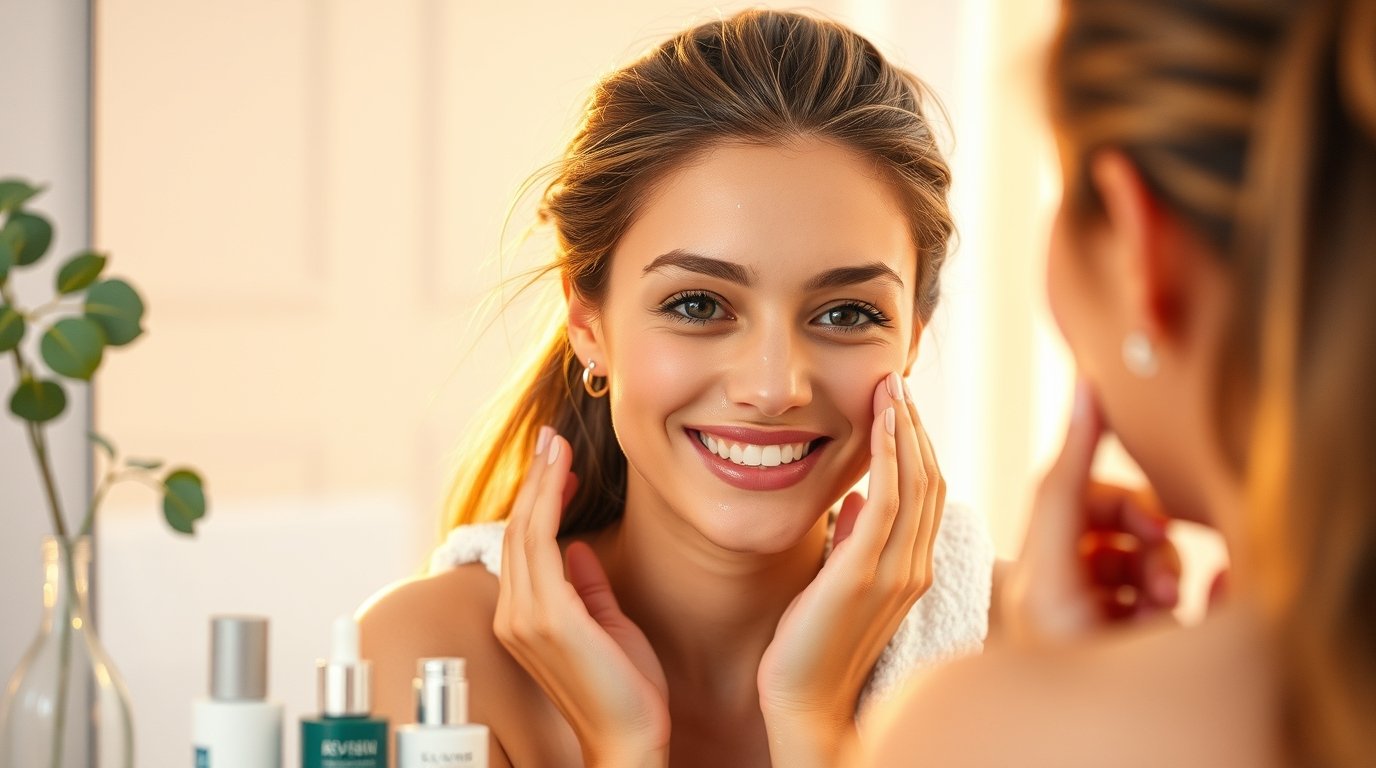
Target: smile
[
  {"x": 752, "y": 455},
  {"x": 757, "y": 460}
]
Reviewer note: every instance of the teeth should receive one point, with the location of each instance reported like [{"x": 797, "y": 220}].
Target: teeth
[
  {"x": 771, "y": 456},
  {"x": 749, "y": 455}
]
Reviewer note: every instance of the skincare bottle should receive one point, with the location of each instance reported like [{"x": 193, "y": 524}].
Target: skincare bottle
[
  {"x": 442, "y": 735},
  {"x": 237, "y": 727},
  {"x": 345, "y": 735}
]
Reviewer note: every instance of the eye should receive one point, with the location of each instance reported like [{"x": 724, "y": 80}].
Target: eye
[
  {"x": 844, "y": 316},
  {"x": 694, "y": 307},
  {"x": 852, "y": 316}
]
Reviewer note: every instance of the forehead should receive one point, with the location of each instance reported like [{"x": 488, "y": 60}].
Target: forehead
[{"x": 808, "y": 205}]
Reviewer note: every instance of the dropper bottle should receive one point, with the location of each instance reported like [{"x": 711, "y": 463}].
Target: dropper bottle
[
  {"x": 442, "y": 734},
  {"x": 345, "y": 735}
]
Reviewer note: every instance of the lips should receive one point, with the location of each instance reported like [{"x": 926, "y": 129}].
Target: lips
[{"x": 757, "y": 460}]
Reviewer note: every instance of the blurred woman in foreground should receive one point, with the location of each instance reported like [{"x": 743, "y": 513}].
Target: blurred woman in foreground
[{"x": 1211, "y": 268}]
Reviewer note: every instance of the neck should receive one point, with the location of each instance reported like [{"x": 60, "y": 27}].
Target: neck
[{"x": 709, "y": 612}]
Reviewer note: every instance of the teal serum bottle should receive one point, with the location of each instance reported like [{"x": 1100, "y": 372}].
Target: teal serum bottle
[{"x": 345, "y": 735}]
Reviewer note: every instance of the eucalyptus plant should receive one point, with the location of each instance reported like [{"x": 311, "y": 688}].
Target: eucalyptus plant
[{"x": 88, "y": 315}]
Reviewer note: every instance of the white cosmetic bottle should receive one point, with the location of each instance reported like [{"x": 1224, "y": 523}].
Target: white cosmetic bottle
[
  {"x": 442, "y": 735},
  {"x": 237, "y": 727}
]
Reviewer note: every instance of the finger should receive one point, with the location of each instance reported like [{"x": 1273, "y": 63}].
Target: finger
[
  {"x": 1070, "y": 472},
  {"x": 1218, "y": 589},
  {"x": 570, "y": 489},
  {"x": 1058, "y": 519},
  {"x": 1135, "y": 511},
  {"x": 936, "y": 501},
  {"x": 914, "y": 462},
  {"x": 589, "y": 580},
  {"x": 845, "y": 520},
  {"x": 513, "y": 580},
  {"x": 1159, "y": 576},
  {"x": 874, "y": 520},
  {"x": 546, "y": 567}
]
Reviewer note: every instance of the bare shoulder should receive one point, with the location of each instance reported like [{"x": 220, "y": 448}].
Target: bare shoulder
[
  {"x": 1153, "y": 697},
  {"x": 440, "y": 612},
  {"x": 450, "y": 614}
]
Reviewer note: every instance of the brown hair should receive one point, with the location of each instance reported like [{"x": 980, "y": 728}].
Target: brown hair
[
  {"x": 1259, "y": 132},
  {"x": 1312, "y": 242},
  {"x": 763, "y": 77}
]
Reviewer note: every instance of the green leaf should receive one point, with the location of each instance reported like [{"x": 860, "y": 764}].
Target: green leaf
[
  {"x": 145, "y": 463},
  {"x": 73, "y": 347},
  {"x": 183, "y": 501},
  {"x": 14, "y": 193},
  {"x": 38, "y": 401},
  {"x": 11, "y": 328},
  {"x": 119, "y": 310},
  {"x": 80, "y": 271},
  {"x": 104, "y": 443},
  {"x": 4, "y": 261},
  {"x": 26, "y": 236}
]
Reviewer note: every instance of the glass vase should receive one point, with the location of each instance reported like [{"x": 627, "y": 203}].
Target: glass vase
[{"x": 65, "y": 705}]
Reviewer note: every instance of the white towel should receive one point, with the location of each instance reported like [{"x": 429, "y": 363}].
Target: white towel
[{"x": 951, "y": 619}]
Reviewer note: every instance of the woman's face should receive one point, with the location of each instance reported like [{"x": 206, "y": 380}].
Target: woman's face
[{"x": 752, "y": 308}]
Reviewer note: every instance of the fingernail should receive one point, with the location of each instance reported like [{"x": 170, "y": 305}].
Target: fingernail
[
  {"x": 1165, "y": 589},
  {"x": 542, "y": 440},
  {"x": 895, "y": 387},
  {"x": 889, "y": 422},
  {"x": 553, "y": 451}
]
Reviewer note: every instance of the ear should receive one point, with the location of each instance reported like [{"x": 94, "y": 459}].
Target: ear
[
  {"x": 1147, "y": 243},
  {"x": 585, "y": 329}
]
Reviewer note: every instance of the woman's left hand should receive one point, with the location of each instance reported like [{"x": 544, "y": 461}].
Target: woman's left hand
[{"x": 832, "y": 634}]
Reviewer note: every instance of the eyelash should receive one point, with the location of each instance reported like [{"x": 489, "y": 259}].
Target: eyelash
[{"x": 875, "y": 314}]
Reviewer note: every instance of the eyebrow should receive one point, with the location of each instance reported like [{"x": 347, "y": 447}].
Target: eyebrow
[
  {"x": 843, "y": 276},
  {"x": 735, "y": 273},
  {"x": 702, "y": 265}
]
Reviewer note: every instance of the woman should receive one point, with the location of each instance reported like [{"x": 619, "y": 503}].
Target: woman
[
  {"x": 1211, "y": 269},
  {"x": 751, "y": 223}
]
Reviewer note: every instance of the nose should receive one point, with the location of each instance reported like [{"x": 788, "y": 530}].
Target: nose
[{"x": 771, "y": 373}]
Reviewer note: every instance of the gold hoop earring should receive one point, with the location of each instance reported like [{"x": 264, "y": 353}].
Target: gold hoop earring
[
  {"x": 587, "y": 381},
  {"x": 1139, "y": 355}
]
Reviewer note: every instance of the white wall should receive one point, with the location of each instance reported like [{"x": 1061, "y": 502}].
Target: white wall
[{"x": 44, "y": 136}]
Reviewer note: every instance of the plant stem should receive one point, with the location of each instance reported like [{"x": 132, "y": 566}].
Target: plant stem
[
  {"x": 89, "y": 521},
  {"x": 40, "y": 450},
  {"x": 70, "y": 605},
  {"x": 55, "y": 305}
]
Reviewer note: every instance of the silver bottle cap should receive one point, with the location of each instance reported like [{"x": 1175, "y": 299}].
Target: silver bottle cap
[
  {"x": 238, "y": 658},
  {"x": 344, "y": 681},
  {"x": 441, "y": 692}
]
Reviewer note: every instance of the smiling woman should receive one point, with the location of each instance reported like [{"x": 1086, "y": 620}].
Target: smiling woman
[{"x": 655, "y": 557}]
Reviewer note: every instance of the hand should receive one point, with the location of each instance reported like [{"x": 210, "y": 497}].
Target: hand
[
  {"x": 570, "y": 635},
  {"x": 1095, "y": 554},
  {"x": 833, "y": 633}
]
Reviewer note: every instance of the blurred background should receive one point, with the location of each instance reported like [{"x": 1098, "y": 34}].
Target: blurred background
[{"x": 311, "y": 195}]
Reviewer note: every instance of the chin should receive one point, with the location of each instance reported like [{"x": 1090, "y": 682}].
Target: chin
[{"x": 754, "y": 528}]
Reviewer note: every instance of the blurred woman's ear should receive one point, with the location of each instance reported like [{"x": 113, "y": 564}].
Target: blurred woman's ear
[{"x": 1144, "y": 247}]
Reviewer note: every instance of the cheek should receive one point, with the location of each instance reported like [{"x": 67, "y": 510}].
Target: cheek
[
  {"x": 653, "y": 376},
  {"x": 1065, "y": 285},
  {"x": 849, "y": 381}
]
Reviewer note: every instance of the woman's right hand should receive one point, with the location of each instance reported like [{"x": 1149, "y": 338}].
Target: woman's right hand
[
  {"x": 1096, "y": 555},
  {"x": 569, "y": 634}
]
